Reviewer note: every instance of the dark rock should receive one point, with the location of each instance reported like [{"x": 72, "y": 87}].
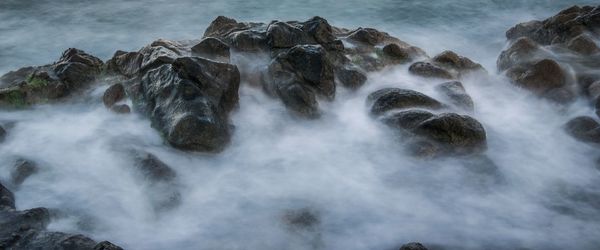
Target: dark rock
[
  {"x": 461, "y": 64},
  {"x": 125, "y": 63},
  {"x": 457, "y": 134},
  {"x": 285, "y": 35},
  {"x": 22, "y": 170},
  {"x": 121, "y": 109},
  {"x": 584, "y": 45},
  {"x": 351, "y": 78},
  {"x": 560, "y": 28},
  {"x": 7, "y": 199},
  {"x": 248, "y": 40},
  {"x": 584, "y": 128},
  {"x": 2, "y": 134},
  {"x": 113, "y": 94},
  {"x": 301, "y": 218},
  {"x": 299, "y": 74},
  {"x": 401, "y": 54},
  {"x": 593, "y": 90},
  {"x": 426, "y": 69},
  {"x": 597, "y": 106},
  {"x": 189, "y": 102},
  {"x": 106, "y": 245},
  {"x": 32, "y": 85},
  {"x": 539, "y": 77},
  {"x": 161, "y": 178},
  {"x": 222, "y": 26},
  {"x": 521, "y": 51},
  {"x": 212, "y": 48},
  {"x": 369, "y": 36},
  {"x": 560, "y": 95},
  {"x": 457, "y": 94},
  {"x": 320, "y": 30},
  {"x": 160, "y": 52},
  {"x": 407, "y": 119},
  {"x": 413, "y": 246},
  {"x": 388, "y": 99}
]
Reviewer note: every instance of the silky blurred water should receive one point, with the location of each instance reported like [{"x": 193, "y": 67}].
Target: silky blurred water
[{"x": 345, "y": 167}]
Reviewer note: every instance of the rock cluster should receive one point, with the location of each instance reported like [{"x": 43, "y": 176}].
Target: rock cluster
[{"x": 26, "y": 229}]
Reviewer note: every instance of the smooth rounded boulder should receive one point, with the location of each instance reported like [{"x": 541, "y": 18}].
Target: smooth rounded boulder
[
  {"x": 388, "y": 99},
  {"x": 584, "y": 128},
  {"x": 456, "y": 134}
]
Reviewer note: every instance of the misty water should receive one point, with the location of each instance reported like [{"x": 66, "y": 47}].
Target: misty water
[{"x": 345, "y": 167}]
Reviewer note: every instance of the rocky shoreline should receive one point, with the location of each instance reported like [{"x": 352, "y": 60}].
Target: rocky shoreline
[{"x": 188, "y": 90}]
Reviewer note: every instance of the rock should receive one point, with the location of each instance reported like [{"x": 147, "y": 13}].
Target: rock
[
  {"x": 222, "y": 26},
  {"x": 413, "y": 246},
  {"x": 121, "y": 109},
  {"x": 106, "y": 245},
  {"x": 450, "y": 59},
  {"x": 22, "y": 170},
  {"x": 212, "y": 48},
  {"x": 540, "y": 77},
  {"x": 161, "y": 181},
  {"x": 320, "y": 30},
  {"x": 584, "y": 128},
  {"x": 113, "y": 94},
  {"x": 457, "y": 134},
  {"x": 189, "y": 102},
  {"x": 597, "y": 106},
  {"x": 521, "y": 51},
  {"x": 388, "y": 99},
  {"x": 352, "y": 78},
  {"x": 584, "y": 45},
  {"x": 125, "y": 63},
  {"x": 7, "y": 199},
  {"x": 298, "y": 75},
  {"x": 560, "y": 95},
  {"x": 285, "y": 35},
  {"x": 2, "y": 134},
  {"x": 426, "y": 69},
  {"x": 407, "y": 119},
  {"x": 160, "y": 52},
  {"x": 401, "y": 54},
  {"x": 457, "y": 95},
  {"x": 560, "y": 28},
  {"x": 32, "y": 85},
  {"x": 248, "y": 40},
  {"x": 301, "y": 218},
  {"x": 594, "y": 90}
]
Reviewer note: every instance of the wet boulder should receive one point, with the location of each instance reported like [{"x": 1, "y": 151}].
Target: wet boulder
[
  {"x": 539, "y": 77},
  {"x": 584, "y": 128},
  {"x": 351, "y": 77},
  {"x": 7, "y": 199},
  {"x": 32, "y": 85},
  {"x": 300, "y": 75},
  {"x": 125, "y": 63},
  {"x": 401, "y": 54},
  {"x": 160, "y": 52},
  {"x": 523, "y": 50},
  {"x": 583, "y": 45},
  {"x": 456, "y": 93},
  {"x": 406, "y": 119},
  {"x": 106, "y": 245},
  {"x": 286, "y": 35},
  {"x": 413, "y": 246},
  {"x": 212, "y": 48},
  {"x": 387, "y": 99},
  {"x": 113, "y": 94},
  {"x": 160, "y": 180},
  {"x": 189, "y": 102},
  {"x": 121, "y": 109},
  {"x": 455, "y": 134},
  {"x": 460, "y": 64},
  {"x": 430, "y": 70},
  {"x": 561, "y": 28},
  {"x": 22, "y": 170},
  {"x": 321, "y": 32},
  {"x": 2, "y": 134}
]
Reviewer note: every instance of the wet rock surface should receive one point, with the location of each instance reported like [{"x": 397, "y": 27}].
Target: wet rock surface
[
  {"x": 74, "y": 71},
  {"x": 26, "y": 229},
  {"x": 22, "y": 170}
]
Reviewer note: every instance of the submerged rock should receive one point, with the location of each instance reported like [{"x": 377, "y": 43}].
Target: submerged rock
[
  {"x": 2, "y": 134},
  {"x": 413, "y": 246},
  {"x": 426, "y": 69},
  {"x": 584, "y": 128},
  {"x": 22, "y": 170},
  {"x": 27, "y": 229},
  {"x": 457, "y": 134},
  {"x": 160, "y": 180},
  {"x": 457, "y": 95}
]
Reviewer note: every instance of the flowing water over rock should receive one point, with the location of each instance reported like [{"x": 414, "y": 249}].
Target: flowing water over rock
[{"x": 472, "y": 161}]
